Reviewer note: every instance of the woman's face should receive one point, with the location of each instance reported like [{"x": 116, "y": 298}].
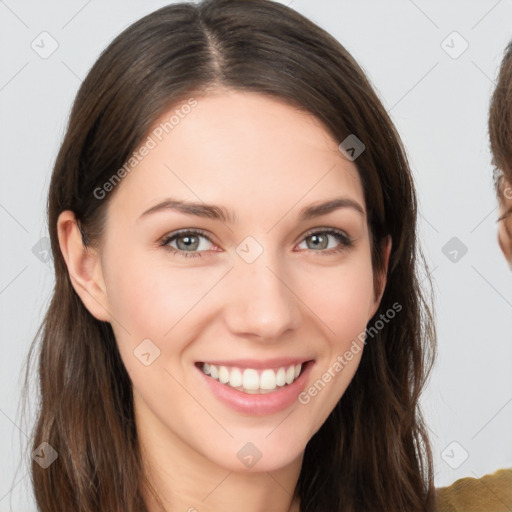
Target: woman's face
[
  {"x": 505, "y": 224},
  {"x": 251, "y": 286}
]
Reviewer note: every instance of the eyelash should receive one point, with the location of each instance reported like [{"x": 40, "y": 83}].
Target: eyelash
[{"x": 345, "y": 241}]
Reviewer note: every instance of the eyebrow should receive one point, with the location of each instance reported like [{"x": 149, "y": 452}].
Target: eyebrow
[{"x": 214, "y": 212}]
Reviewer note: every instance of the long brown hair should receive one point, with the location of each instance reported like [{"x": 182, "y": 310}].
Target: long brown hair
[
  {"x": 372, "y": 453},
  {"x": 500, "y": 123}
]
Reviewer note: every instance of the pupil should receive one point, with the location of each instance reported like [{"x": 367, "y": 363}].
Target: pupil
[
  {"x": 189, "y": 241},
  {"x": 319, "y": 238}
]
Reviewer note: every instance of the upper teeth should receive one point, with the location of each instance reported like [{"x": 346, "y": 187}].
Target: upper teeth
[{"x": 253, "y": 380}]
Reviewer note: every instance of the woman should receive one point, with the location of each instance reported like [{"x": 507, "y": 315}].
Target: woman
[
  {"x": 492, "y": 492},
  {"x": 500, "y": 131},
  {"x": 197, "y": 353}
]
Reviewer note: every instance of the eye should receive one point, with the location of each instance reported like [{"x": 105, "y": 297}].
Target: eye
[
  {"x": 187, "y": 242},
  {"x": 320, "y": 241}
]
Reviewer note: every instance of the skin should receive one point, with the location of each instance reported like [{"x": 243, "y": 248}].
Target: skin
[
  {"x": 265, "y": 161},
  {"x": 505, "y": 225}
]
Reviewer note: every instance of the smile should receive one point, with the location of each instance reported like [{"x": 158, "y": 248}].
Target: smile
[{"x": 251, "y": 380}]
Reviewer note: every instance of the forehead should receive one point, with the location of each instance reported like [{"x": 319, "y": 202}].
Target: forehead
[{"x": 244, "y": 150}]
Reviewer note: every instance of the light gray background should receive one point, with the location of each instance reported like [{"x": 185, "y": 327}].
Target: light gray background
[{"x": 439, "y": 104}]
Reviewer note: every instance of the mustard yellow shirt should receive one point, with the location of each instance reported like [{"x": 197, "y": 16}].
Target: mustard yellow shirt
[{"x": 490, "y": 493}]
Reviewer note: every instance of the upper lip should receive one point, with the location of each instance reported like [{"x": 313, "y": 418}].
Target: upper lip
[{"x": 259, "y": 363}]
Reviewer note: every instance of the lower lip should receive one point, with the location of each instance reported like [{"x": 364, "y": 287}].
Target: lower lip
[{"x": 259, "y": 404}]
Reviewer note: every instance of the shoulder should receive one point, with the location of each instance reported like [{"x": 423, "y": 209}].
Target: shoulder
[{"x": 490, "y": 493}]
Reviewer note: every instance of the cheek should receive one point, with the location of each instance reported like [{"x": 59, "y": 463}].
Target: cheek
[
  {"x": 149, "y": 297},
  {"x": 150, "y": 300},
  {"x": 341, "y": 297},
  {"x": 149, "y": 292}
]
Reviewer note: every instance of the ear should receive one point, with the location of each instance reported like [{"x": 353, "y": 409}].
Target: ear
[
  {"x": 382, "y": 277},
  {"x": 84, "y": 267},
  {"x": 505, "y": 224},
  {"x": 505, "y": 239}
]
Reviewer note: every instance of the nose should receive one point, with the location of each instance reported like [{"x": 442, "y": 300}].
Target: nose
[{"x": 260, "y": 300}]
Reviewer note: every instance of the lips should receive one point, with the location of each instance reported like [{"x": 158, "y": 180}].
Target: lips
[{"x": 256, "y": 401}]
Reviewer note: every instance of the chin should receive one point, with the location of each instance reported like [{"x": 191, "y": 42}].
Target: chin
[{"x": 254, "y": 456}]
